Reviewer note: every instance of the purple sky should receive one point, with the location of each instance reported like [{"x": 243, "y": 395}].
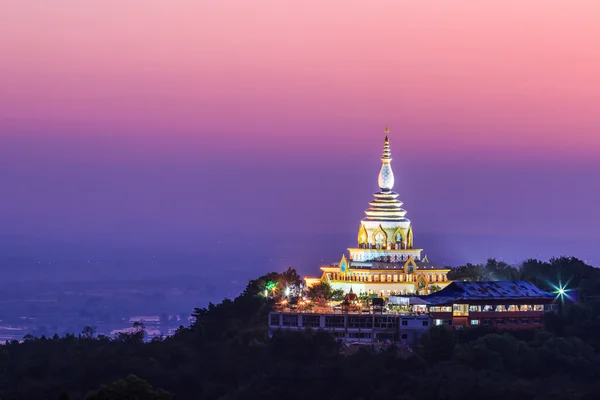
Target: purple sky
[{"x": 128, "y": 120}]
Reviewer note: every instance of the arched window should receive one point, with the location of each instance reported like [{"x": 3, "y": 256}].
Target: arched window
[{"x": 379, "y": 240}]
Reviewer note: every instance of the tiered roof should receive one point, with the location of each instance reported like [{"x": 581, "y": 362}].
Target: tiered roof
[{"x": 386, "y": 206}]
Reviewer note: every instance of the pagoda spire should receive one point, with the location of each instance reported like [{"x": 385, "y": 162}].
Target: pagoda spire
[
  {"x": 386, "y": 175},
  {"x": 386, "y": 206}
]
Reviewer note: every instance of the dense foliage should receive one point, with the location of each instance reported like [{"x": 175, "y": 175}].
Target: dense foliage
[{"x": 226, "y": 354}]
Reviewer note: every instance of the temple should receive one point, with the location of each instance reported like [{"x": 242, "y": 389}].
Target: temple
[{"x": 385, "y": 261}]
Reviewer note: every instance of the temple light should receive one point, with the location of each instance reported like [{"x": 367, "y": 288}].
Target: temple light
[
  {"x": 271, "y": 286},
  {"x": 287, "y": 291}
]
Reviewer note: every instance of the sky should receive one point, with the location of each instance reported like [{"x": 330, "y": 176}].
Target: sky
[{"x": 135, "y": 120}]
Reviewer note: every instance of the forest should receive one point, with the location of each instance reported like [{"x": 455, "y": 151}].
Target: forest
[{"x": 226, "y": 354}]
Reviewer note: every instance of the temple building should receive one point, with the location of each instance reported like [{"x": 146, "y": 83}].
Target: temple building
[{"x": 385, "y": 261}]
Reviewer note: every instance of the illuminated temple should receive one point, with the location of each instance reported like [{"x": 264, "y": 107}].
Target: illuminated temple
[{"x": 385, "y": 262}]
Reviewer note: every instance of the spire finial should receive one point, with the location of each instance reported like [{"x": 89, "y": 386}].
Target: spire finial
[{"x": 386, "y": 130}]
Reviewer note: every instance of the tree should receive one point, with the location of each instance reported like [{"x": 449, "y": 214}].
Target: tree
[
  {"x": 136, "y": 336},
  {"x": 129, "y": 388},
  {"x": 337, "y": 295},
  {"x": 321, "y": 290},
  {"x": 438, "y": 345},
  {"x": 292, "y": 280},
  {"x": 499, "y": 271},
  {"x": 469, "y": 272},
  {"x": 256, "y": 287},
  {"x": 88, "y": 332},
  {"x": 139, "y": 326}
]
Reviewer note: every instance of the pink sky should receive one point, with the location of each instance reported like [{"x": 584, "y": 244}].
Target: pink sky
[
  {"x": 486, "y": 75},
  {"x": 494, "y": 108}
]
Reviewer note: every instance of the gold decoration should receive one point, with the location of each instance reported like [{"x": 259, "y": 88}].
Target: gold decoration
[
  {"x": 344, "y": 266},
  {"x": 421, "y": 278},
  {"x": 409, "y": 262},
  {"x": 362, "y": 235},
  {"x": 409, "y": 240},
  {"x": 374, "y": 241},
  {"x": 402, "y": 234}
]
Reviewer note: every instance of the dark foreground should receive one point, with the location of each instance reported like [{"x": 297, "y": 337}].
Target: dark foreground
[{"x": 226, "y": 354}]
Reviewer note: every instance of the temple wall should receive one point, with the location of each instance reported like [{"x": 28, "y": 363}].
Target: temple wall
[{"x": 375, "y": 287}]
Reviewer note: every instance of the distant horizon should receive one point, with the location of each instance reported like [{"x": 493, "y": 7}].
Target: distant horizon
[{"x": 89, "y": 259}]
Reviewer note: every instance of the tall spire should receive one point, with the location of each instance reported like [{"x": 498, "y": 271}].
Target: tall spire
[
  {"x": 386, "y": 175},
  {"x": 386, "y": 206}
]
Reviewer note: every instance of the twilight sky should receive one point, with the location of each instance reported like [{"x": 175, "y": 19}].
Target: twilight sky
[{"x": 128, "y": 118}]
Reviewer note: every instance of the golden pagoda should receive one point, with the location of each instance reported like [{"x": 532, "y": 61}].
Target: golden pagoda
[{"x": 385, "y": 262}]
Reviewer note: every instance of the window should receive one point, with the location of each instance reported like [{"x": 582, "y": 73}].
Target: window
[
  {"x": 404, "y": 336},
  {"x": 487, "y": 321},
  {"x": 334, "y": 322},
  {"x": 500, "y": 308},
  {"x": 537, "y": 321},
  {"x": 473, "y": 308},
  {"x": 526, "y": 307},
  {"x": 404, "y": 323},
  {"x": 512, "y": 321},
  {"x": 439, "y": 322},
  {"x": 524, "y": 320},
  {"x": 449, "y": 322},
  {"x": 359, "y": 335},
  {"x": 440, "y": 309},
  {"x": 500, "y": 321},
  {"x": 538, "y": 307},
  {"x": 274, "y": 319},
  {"x": 385, "y": 322},
  {"x": 488, "y": 308},
  {"x": 425, "y": 323},
  {"x": 359, "y": 322},
  {"x": 386, "y": 336},
  {"x": 474, "y": 322},
  {"x": 311, "y": 320},
  {"x": 290, "y": 320},
  {"x": 459, "y": 309}
]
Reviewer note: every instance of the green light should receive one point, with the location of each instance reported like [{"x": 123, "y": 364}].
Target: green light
[
  {"x": 561, "y": 291},
  {"x": 271, "y": 285}
]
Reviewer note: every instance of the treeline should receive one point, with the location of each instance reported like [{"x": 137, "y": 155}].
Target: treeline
[{"x": 226, "y": 354}]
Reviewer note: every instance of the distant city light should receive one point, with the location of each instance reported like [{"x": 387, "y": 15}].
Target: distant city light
[{"x": 287, "y": 291}]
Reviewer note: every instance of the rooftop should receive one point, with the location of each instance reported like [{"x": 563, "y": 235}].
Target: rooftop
[{"x": 488, "y": 290}]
